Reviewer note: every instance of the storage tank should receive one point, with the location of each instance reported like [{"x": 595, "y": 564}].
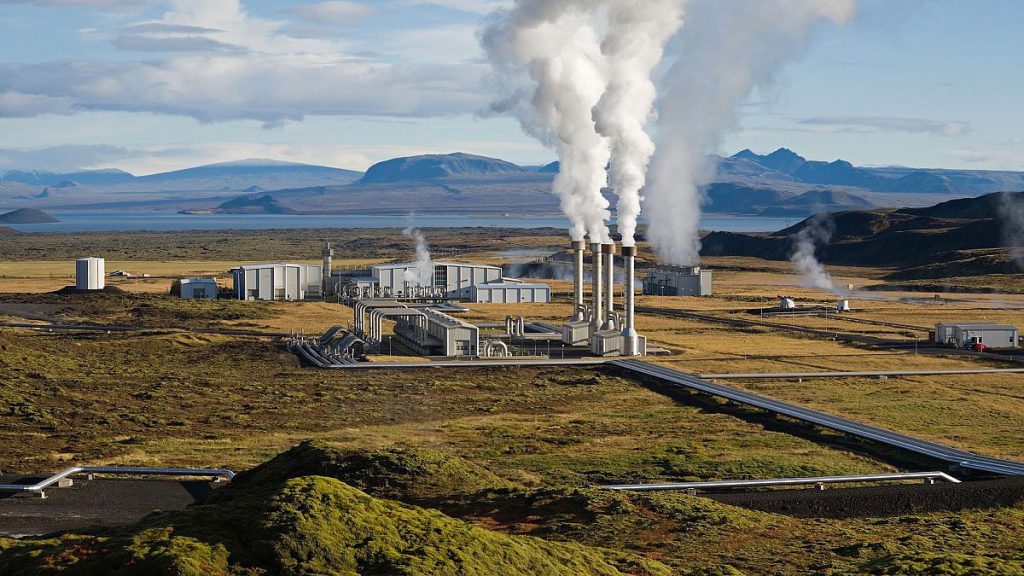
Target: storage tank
[
  {"x": 787, "y": 304},
  {"x": 90, "y": 274},
  {"x": 843, "y": 306}
]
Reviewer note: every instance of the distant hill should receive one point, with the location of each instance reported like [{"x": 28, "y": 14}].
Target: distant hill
[
  {"x": 266, "y": 174},
  {"x": 5, "y": 231},
  {"x": 27, "y": 216},
  {"x": 768, "y": 201},
  {"x": 784, "y": 167},
  {"x": 959, "y": 237},
  {"x": 432, "y": 167},
  {"x": 62, "y": 180},
  {"x": 265, "y": 204}
]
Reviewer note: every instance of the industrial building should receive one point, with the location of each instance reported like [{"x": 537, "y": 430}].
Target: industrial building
[
  {"x": 451, "y": 279},
  {"x": 479, "y": 283},
  {"x": 678, "y": 281},
  {"x": 277, "y": 281},
  {"x": 198, "y": 289},
  {"x": 510, "y": 292},
  {"x": 971, "y": 334},
  {"x": 90, "y": 274}
]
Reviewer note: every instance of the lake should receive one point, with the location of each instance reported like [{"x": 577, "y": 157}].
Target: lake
[{"x": 172, "y": 221}]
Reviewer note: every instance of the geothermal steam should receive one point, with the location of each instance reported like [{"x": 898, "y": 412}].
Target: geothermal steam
[
  {"x": 1011, "y": 208},
  {"x": 633, "y": 46},
  {"x": 727, "y": 52},
  {"x": 422, "y": 273},
  {"x": 818, "y": 230},
  {"x": 547, "y": 56}
]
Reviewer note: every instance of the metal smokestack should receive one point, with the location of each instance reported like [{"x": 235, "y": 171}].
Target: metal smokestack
[
  {"x": 630, "y": 342},
  {"x": 578, "y": 312},
  {"x": 597, "y": 315},
  {"x": 328, "y": 254},
  {"x": 608, "y": 252}
]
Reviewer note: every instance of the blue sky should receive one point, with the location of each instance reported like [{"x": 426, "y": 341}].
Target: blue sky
[{"x": 152, "y": 85}]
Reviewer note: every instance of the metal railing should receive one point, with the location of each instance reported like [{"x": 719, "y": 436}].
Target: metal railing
[
  {"x": 63, "y": 476},
  {"x": 929, "y": 477}
]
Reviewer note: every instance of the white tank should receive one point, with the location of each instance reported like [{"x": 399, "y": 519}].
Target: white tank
[
  {"x": 90, "y": 274},
  {"x": 843, "y": 306},
  {"x": 787, "y": 304}
]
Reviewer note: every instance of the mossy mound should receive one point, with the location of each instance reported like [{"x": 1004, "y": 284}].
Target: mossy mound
[
  {"x": 310, "y": 525},
  {"x": 951, "y": 564},
  {"x": 407, "y": 474}
]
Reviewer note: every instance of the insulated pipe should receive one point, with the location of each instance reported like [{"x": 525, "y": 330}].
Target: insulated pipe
[
  {"x": 608, "y": 252},
  {"x": 578, "y": 312},
  {"x": 630, "y": 343},
  {"x": 597, "y": 315}
]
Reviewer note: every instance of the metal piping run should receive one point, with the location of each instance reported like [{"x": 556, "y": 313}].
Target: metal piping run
[
  {"x": 630, "y": 342},
  {"x": 39, "y": 487},
  {"x": 926, "y": 476},
  {"x": 597, "y": 321},
  {"x": 579, "y": 308},
  {"x": 608, "y": 252}
]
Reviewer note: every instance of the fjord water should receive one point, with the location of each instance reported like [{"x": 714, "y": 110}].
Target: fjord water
[{"x": 172, "y": 221}]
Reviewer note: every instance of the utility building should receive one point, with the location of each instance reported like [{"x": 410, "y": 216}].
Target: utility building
[
  {"x": 968, "y": 335},
  {"x": 450, "y": 279},
  {"x": 678, "y": 281},
  {"x": 279, "y": 281},
  {"x": 199, "y": 289},
  {"x": 90, "y": 274},
  {"x": 510, "y": 292}
]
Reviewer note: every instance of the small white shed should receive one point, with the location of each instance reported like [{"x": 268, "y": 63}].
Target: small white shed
[{"x": 199, "y": 289}]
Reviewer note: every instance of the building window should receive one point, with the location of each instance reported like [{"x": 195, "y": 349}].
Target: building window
[{"x": 441, "y": 276}]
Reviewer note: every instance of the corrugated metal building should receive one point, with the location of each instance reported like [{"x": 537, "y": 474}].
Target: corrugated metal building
[
  {"x": 510, "y": 292},
  {"x": 454, "y": 278},
  {"x": 199, "y": 289},
  {"x": 90, "y": 274},
  {"x": 678, "y": 281},
  {"x": 277, "y": 281},
  {"x": 968, "y": 334}
]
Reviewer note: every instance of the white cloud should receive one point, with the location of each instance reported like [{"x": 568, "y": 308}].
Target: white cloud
[
  {"x": 227, "y": 64},
  {"x": 333, "y": 12},
  {"x": 471, "y": 6},
  {"x": 889, "y": 124},
  {"x": 60, "y": 158}
]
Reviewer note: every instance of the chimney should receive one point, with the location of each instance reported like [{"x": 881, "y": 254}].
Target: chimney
[
  {"x": 578, "y": 312},
  {"x": 608, "y": 252},
  {"x": 328, "y": 254},
  {"x": 597, "y": 315},
  {"x": 630, "y": 344}
]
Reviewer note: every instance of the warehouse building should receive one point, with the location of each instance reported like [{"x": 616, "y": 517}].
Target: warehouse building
[
  {"x": 678, "y": 281},
  {"x": 450, "y": 279},
  {"x": 198, "y": 289},
  {"x": 90, "y": 274},
  {"x": 277, "y": 281},
  {"x": 510, "y": 292},
  {"x": 970, "y": 334}
]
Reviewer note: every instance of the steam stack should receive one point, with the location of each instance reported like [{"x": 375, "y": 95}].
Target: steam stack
[
  {"x": 579, "y": 308},
  {"x": 597, "y": 319},
  {"x": 328, "y": 254},
  {"x": 608, "y": 251},
  {"x": 630, "y": 341}
]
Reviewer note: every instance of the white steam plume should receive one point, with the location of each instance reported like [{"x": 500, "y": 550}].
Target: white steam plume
[
  {"x": 819, "y": 230},
  {"x": 423, "y": 273},
  {"x": 729, "y": 50},
  {"x": 547, "y": 56},
  {"x": 634, "y": 45},
  {"x": 1011, "y": 209}
]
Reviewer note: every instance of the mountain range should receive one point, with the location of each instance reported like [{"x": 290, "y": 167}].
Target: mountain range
[{"x": 782, "y": 183}]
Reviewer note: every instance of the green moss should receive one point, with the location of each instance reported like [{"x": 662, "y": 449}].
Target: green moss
[
  {"x": 948, "y": 564},
  {"x": 309, "y": 525},
  {"x": 402, "y": 473}
]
